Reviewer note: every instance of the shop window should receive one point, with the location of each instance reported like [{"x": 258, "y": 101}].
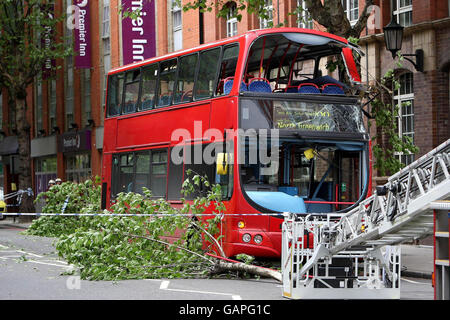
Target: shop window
[{"x": 78, "y": 167}]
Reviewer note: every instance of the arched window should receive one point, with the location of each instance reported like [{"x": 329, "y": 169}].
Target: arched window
[
  {"x": 404, "y": 101},
  {"x": 231, "y": 20}
]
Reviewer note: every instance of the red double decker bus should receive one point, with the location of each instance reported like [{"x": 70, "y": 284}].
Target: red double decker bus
[{"x": 266, "y": 115}]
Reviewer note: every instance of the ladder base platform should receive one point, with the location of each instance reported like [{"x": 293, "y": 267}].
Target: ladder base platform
[{"x": 340, "y": 294}]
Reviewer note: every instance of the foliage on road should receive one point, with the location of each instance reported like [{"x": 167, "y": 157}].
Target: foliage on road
[
  {"x": 69, "y": 197},
  {"x": 170, "y": 243}
]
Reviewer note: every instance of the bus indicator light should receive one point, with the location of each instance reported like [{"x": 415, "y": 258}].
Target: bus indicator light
[{"x": 241, "y": 224}]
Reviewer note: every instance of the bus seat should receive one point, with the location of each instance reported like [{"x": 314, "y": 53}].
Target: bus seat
[
  {"x": 187, "y": 96},
  {"x": 130, "y": 107},
  {"x": 164, "y": 100},
  {"x": 259, "y": 85},
  {"x": 320, "y": 81},
  {"x": 147, "y": 104},
  {"x": 228, "y": 84},
  {"x": 332, "y": 88},
  {"x": 308, "y": 88}
]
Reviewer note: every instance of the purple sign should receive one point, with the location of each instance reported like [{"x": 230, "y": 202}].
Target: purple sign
[
  {"x": 82, "y": 34},
  {"x": 47, "y": 38},
  {"x": 74, "y": 141},
  {"x": 138, "y": 33}
]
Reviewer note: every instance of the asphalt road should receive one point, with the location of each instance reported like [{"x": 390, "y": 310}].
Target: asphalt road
[{"x": 31, "y": 270}]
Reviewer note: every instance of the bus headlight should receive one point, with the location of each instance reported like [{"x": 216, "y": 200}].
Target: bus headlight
[
  {"x": 246, "y": 237},
  {"x": 258, "y": 239}
]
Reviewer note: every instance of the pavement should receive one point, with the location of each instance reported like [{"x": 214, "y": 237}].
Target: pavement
[{"x": 416, "y": 260}]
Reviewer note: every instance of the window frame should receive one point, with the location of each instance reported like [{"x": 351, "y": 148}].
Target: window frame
[
  {"x": 113, "y": 80},
  {"x": 231, "y": 21},
  {"x": 116, "y": 171},
  {"x": 349, "y": 8},
  {"x": 177, "y": 82},
  {"x": 212, "y": 94},
  {"x": 398, "y": 10},
  {"x": 304, "y": 19},
  {"x": 265, "y": 23},
  {"x": 404, "y": 98}
]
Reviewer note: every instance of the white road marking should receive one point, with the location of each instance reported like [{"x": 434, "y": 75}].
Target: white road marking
[
  {"x": 49, "y": 264},
  {"x": 165, "y": 286},
  {"x": 31, "y": 254},
  {"x": 415, "y": 282},
  {"x": 55, "y": 263}
]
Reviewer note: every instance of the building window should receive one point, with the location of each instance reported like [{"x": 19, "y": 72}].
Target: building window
[
  {"x": 39, "y": 109},
  {"x": 404, "y": 101},
  {"x": 304, "y": 18},
  {"x": 86, "y": 96},
  {"x": 177, "y": 27},
  {"x": 232, "y": 20},
  {"x": 78, "y": 167},
  {"x": 403, "y": 12},
  {"x": 45, "y": 170},
  {"x": 351, "y": 10},
  {"x": 52, "y": 105},
  {"x": 69, "y": 91},
  {"x": 69, "y": 107},
  {"x": 106, "y": 44},
  {"x": 1, "y": 111},
  {"x": 268, "y": 22}
]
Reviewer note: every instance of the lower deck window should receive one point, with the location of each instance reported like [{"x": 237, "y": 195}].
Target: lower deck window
[{"x": 135, "y": 170}]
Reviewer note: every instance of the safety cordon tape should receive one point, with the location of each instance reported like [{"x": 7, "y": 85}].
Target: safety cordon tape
[{"x": 134, "y": 214}]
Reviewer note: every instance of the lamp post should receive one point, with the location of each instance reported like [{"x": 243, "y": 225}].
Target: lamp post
[{"x": 393, "y": 37}]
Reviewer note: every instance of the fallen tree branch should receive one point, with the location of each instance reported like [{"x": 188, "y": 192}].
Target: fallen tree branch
[
  {"x": 219, "y": 247},
  {"x": 165, "y": 243},
  {"x": 225, "y": 264}
]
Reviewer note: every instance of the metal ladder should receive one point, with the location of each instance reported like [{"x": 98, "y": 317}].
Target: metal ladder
[{"x": 399, "y": 211}]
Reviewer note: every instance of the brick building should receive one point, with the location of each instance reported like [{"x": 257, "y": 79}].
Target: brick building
[{"x": 67, "y": 113}]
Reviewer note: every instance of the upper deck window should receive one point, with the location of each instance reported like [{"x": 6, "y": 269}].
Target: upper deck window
[
  {"x": 227, "y": 68},
  {"x": 149, "y": 82},
  {"x": 285, "y": 62},
  {"x": 132, "y": 81},
  {"x": 168, "y": 71},
  {"x": 207, "y": 73},
  {"x": 115, "y": 90},
  {"x": 190, "y": 77},
  {"x": 186, "y": 78}
]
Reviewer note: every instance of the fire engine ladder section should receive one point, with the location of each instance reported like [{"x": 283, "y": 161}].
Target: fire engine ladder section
[{"x": 368, "y": 236}]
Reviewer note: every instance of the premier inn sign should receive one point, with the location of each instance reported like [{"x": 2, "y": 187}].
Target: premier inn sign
[
  {"x": 74, "y": 141},
  {"x": 138, "y": 32}
]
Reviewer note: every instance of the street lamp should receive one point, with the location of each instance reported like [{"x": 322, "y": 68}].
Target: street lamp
[{"x": 393, "y": 37}]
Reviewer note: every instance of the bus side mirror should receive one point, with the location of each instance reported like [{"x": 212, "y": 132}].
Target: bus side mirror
[{"x": 222, "y": 164}]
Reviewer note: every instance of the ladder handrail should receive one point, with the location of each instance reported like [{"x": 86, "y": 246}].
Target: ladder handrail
[{"x": 396, "y": 212}]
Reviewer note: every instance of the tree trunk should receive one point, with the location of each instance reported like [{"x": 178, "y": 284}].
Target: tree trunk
[
  {"x": 239, "y": 266},
  {"x": 23, "y": 137}
]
